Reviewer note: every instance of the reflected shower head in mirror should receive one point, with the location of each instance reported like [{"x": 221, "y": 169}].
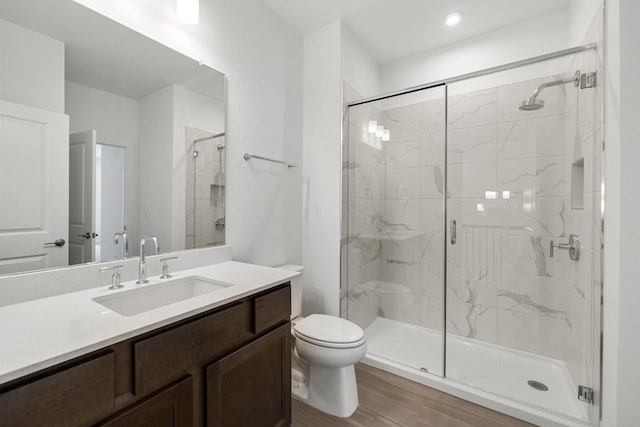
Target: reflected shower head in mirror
[{"x": 533, "y": 103}]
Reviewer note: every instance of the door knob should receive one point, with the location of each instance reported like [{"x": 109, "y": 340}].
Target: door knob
[
  {"x": 88, "y": 235},
  {"x": 59, "y": 243}
]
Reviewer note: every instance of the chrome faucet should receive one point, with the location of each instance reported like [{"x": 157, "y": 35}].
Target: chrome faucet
[
  {"x": 125, "y": 242},
  {"x": 142, "y": 267}
]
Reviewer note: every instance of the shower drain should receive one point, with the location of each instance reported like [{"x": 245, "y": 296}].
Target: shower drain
[{"x": 537, "y": 385}]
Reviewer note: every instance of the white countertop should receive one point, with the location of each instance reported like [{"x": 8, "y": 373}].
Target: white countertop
[{"x": 44, "y": 332}]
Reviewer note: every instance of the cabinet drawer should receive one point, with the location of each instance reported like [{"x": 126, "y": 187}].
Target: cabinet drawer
[
  {"x": 76, "y": 396},
  {"x": 167, "y": 356},
  {"x": 271, "y": 309}
]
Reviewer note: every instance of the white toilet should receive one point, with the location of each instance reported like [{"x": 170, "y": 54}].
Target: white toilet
[{"x": 329, "y": 347}]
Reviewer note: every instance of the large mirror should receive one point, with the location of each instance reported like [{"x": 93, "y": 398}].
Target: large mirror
[{"x": 105, "y": 136}]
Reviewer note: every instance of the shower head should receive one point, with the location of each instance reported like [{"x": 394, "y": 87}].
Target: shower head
[{"x": 533, "y": 103}]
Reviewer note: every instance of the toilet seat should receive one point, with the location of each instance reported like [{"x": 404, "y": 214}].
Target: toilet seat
[
  {"x": 329, "y": 331},
  {"x": 328, "y": 344}
]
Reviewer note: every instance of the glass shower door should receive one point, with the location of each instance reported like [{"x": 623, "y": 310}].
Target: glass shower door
[
  {"x": 520, "y": 189},
  {"x": 393, "y": 242}
]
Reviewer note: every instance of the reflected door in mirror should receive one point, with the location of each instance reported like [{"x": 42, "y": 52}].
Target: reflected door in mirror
[
  {"x": 82, "y": 191},
  {"x": 33, "y": 188}
]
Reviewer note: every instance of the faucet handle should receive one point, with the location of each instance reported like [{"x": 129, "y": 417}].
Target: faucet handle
[
  {"x": 115, "y": 277},
  {"x": 165, "y": 267}
]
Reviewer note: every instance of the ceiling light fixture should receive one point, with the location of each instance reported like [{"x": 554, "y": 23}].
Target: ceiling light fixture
[
  {"x": 386, "y": 135},
  {"x": 453, "y": 19},
  {"x": 188, "y": 11},
  {"x": 373, "y": 126},
  {"x": 380, "y": 131}
]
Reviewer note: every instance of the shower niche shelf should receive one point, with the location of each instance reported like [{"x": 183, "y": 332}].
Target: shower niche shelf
[{"x": 577, "y": 184}]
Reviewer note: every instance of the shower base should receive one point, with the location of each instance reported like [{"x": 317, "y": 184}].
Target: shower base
[{"x": 490, "y": 375}]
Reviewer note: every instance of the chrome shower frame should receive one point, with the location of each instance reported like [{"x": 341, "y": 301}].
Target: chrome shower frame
[
  {"x": 578, "y": 80},
  {"x": 480, "y": 73}
]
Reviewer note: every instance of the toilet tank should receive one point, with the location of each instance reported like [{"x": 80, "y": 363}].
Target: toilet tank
[{"x": 296, "y": 289}]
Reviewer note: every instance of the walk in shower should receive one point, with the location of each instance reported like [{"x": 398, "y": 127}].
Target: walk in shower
[
  {"x": 472, "y": 235},
  {"x": 205, "y": 188}
]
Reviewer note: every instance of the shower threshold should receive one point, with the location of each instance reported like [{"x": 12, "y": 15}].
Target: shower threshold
[{"x": 490, "y": 375}]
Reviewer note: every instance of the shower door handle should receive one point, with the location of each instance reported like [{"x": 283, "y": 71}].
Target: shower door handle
[{"x": 453, "y": 231}]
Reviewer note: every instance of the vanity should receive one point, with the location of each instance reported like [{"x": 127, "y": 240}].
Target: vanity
[
  {"x": 112, "y": 139},
  {"x": 221, "y": 358}
]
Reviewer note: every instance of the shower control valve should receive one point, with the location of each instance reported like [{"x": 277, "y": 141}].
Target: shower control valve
[{"x": 573, "y": 247}]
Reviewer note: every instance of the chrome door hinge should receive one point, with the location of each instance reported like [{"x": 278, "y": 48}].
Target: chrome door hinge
[
  {"x": 588, "y": 80},
  {"x": 585, "y": 394}
]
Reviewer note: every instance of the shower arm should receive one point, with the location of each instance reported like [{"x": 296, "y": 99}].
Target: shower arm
[{"x": 575, "y": 80}]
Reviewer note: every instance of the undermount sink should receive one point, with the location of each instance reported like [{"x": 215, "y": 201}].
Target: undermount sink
[{"x": 129, "y": 303}]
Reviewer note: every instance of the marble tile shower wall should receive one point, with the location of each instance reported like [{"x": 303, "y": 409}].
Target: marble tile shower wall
[
  {"x": 363, "y": 179},
  {"x": 390, "y": 244},
  {"x": 412, "y": 221},
  {"x": 511, "y": 176},
  {"x": 508, "y": 194}
]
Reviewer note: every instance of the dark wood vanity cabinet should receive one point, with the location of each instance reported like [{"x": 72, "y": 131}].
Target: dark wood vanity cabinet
[
  {"x": 68, "y": 396},
  {"x": 230, "y": 366},
  {"x": 252, "y": 386},
  {"x": 171, "y": 407}
]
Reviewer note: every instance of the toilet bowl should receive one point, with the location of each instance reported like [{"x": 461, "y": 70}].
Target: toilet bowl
[{"x": 328, "y": 347}]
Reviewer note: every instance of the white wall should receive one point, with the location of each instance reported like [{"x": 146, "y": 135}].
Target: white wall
[
  {"x": 32, "y": 70},
  {"x": 262, "y": 58},
  {"x": 331, "y": 54},
  {"x": 115, "y": 119},
  {"x": 621, "y": 383},
  {"x": 322, "y": 170},
  {"x": 531, "y": 38},
  {"x": 359, "y": 68},
  {"x": 155, "y": 154},
  {"x": 581, "y": 14}
]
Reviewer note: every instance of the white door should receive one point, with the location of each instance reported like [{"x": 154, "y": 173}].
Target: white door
[
  {"x": 34, "y": 179},
  {"x": 82, "y": 197},
  {"x": 110, "y": 165}
]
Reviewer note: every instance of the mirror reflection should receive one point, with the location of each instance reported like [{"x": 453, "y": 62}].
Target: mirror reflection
[{"x": 105, "y": 137}]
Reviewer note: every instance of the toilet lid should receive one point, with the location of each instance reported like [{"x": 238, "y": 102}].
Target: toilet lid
[{"x": 329, "y": 329}]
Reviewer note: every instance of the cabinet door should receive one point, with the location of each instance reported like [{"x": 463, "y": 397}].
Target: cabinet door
[
  {"x": 172, "y": 407},
  {"x": 252, "y": 387},
  {"x": 53, "y": 401}
]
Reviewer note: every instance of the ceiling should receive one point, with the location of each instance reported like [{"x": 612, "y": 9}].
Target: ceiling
[
  {"x": 392, "y": 29},
  {"x": 105, "y": 55}
]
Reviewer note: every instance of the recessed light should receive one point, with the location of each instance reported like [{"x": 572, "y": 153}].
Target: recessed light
[
  {"x": 453, "y": 19},
  {"x": 188, "y": 11}
]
